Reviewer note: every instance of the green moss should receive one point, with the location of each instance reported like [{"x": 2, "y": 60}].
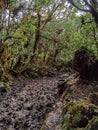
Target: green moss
[
  {"x": 76, "y": 115},
  {"x": 5, "y": 85},
  {"x": 46, "y": 119},
  {"x": 93, "y": 124}
]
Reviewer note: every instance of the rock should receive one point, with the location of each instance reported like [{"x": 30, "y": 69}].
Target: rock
[{"x": 61, "y": 87}]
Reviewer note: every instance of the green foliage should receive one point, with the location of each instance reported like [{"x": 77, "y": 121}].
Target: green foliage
[
  {"x": 46, "y": 119},
  {"x": 77, "y": 115},
  {"x": 93, "y": 124},
  {"x": 58, "y": 38},
  {"x": 6, "y": 85}
]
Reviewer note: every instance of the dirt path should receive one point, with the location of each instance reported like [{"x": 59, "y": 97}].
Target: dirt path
[
  {"x": 25, "y": 106},
  {"x": 33, "y": 104}
]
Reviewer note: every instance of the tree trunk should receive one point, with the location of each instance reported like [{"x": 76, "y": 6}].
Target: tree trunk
[{"x": 37, "y": 35}]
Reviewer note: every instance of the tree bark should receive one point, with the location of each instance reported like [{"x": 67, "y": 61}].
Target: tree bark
[{"x": 37, "y": 35}]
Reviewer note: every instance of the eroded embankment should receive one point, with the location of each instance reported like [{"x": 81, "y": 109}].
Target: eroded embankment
[{"x": 80, "y": 103}]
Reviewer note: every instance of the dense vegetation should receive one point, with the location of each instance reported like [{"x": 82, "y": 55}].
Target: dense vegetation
[
  {"x": 51, "y": 40},
  {"x": 40, "y": 37}
]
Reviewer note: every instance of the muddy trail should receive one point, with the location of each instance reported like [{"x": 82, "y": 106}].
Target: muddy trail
[
  {"x": 26, "y": 104},
  {"x": 36, "y": 104}
]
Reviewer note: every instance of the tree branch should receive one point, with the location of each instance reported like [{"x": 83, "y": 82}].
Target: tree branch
[
  {"x": 8, "y": 37},
  {"x": 50, "y": 39},
  {"x": 51, "y": 14},
  {"x": 71, "y": 2}
]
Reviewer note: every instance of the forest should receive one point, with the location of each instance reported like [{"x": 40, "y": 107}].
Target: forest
[{"x": 48, "y": 64}]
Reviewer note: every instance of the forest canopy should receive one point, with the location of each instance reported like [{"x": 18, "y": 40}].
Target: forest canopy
[
  {"x": 42, "y": 35},
  {"x": 90, "y": 6}
]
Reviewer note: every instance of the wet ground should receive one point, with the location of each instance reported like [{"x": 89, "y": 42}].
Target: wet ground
[
  {"x": 25, "y": 105},
  {"x": 28, "y": 102}
]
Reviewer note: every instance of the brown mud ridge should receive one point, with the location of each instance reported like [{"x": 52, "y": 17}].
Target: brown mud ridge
[
  {"x": 34, "y": 104},
  {"x": 80, "y": 103}
]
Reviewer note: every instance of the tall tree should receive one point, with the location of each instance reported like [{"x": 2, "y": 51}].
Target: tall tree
[{"x": 90, "y": 6}]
